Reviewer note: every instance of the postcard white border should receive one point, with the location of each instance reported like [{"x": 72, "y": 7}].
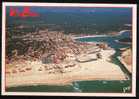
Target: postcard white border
[{"x": 134, "y": 26}]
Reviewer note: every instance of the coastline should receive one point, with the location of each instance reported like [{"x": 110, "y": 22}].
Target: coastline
[
  {"x": 91, "y": 70},
  {"x": 86, "y": 71},
  {"x": 123, "y": 31},
  {"x": 89, "y": 36},
  {"x": 128, "y": 67}
]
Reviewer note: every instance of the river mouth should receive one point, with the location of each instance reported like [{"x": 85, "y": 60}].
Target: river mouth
[
  {"x": 114, "y": 86},
  {"x": 111, "y": 41}
]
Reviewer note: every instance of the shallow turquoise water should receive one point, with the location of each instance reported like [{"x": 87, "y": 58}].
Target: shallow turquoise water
[{"x": 90, "y": 86}]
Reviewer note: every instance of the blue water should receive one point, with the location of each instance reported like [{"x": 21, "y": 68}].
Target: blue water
[
  {"x": 91, "y": 86},
  {"x": 110, "y": 40}
]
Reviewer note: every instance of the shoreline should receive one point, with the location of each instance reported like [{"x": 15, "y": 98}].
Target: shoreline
[
  {"x": 128, "y": 67},
  {"x": 86, "y": 71},
  {"x": 90, "y": 36},
  {"x": 101, "y": 69},
  {"x": 66, "y": 82},
  {"x": 123, "y": 31},
  {"x": 126, "y": 59}
]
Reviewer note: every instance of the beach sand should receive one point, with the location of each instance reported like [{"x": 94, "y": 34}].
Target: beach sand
[
  {"x": 126, "y": 59},
  {"x": 128, "y": 67},
  {"x": 101, "y": 69}
]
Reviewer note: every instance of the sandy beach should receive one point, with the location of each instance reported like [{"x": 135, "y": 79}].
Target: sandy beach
[
  {"x": 77, "y": 37},
  {"x": 89, "y": 36},
  {"x": 126, "y": 59},
  {"x": 123, "y": 31},
  {"x": 128, "y": 67},
  {"x": 102, "y": 69}
]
